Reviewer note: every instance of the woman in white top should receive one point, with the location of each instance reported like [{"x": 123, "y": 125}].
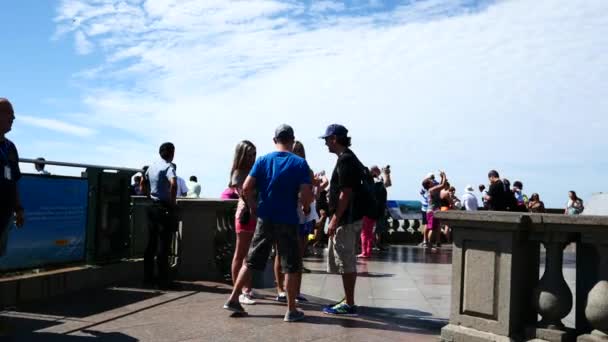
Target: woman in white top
[{"x": 575, "y": 205}]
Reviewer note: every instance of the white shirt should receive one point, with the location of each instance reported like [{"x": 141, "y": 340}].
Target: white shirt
[
  {"x": 194, "y": 189},
  {"x": 470, "y": 201},
  {"x": 312, "y": 216}
]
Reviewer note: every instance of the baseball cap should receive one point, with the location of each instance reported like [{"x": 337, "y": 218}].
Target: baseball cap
[
  {"x": 284, "y": 131},
  {"x": 335, "y": 129}
]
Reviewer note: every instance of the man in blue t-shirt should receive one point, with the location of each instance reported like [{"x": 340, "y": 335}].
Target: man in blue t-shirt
[{"x": 281, "y": 179}]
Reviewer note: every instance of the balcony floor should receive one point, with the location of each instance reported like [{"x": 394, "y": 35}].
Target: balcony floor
[{"x": 403, "y": 294}]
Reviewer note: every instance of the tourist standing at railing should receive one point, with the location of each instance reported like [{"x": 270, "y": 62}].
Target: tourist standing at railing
[
  {"x": 194, "y": 188},
  {"x": 575, "y": 204},
  {"x": 535, "y": 205},
  {"x": 496, "y": 198},
  {"x": 39, "y": 166},
  {"x": 520, "y": 198},
  {"x": 434, "y": 191},
  {"x": 346, "y": 212},
  {"x": 162, "y": 216},
  {"x": 280, "y": 178},
  {"x": 10, "y": 204},
  {"x": 243, "y": 160},
  {"x": 469, "y": 200},
  {"x": 424, "y": 193},
  {"x": 482, "y": 195},
  {"x": 382, "y": 181}
]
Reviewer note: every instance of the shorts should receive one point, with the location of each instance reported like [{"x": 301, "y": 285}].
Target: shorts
[
  {"x": 431, "y": 222},
  {"x": 306, "y": 228},
  {"x": 424, "y": 221},
  {"x": 249, "y": 227},
  {"x": 5, "y": 225},
  {"x": 342, "y": 256},
  {"x": 288, "y": 247}
]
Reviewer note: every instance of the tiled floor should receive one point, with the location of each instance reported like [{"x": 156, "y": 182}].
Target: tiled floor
[{"x": 403, "y": 296}]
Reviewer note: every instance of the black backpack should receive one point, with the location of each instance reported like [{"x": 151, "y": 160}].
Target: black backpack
[{"x": 368, "y": 201}]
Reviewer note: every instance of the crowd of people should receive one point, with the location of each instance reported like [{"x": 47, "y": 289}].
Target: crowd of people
[
  {"x": 500, "y": 196},
  {"x": 283, "y": 206}
]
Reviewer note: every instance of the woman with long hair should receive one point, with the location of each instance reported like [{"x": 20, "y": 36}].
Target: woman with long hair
[
  {"x": 575, "y": 204},
  {"x": 535, "y": 205},
  {"x": 244, "y": 157}
]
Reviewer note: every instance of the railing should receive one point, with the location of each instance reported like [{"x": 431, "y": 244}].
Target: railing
[
  {"x": 496, "y": 291},
  {"x": 204, "y": 244}
]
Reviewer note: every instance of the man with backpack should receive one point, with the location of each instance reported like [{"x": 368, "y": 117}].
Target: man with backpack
[{"x": 347, "y": 206}]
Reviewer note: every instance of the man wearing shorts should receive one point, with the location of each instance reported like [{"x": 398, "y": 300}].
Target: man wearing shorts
[
  {"x": 280, "y": 178},
  {"x": 346, "y": 216}
]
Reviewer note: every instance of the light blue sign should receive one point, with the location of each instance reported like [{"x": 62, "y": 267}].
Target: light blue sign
[
  {"x": 55, "y": 223},
  {"x": 405, "y": 210}
]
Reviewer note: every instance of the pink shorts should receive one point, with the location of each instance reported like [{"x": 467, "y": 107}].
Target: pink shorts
[
  {"x": 431, "y": 223},
  {"x": 245, "y": 228}
]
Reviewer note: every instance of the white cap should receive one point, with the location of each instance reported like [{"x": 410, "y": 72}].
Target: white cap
[{"x": 469, "y": 188}]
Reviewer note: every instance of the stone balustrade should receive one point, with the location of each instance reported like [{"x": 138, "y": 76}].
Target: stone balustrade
[
  {"x": 204, "y": 244},
  {"x": 497, "y": 294}
]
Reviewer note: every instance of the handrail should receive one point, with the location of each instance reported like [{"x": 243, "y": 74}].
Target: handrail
[{"x": 84, "y": 166}]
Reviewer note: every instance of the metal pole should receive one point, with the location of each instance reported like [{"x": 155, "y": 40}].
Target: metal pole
[{"x": 84, "y": 166}]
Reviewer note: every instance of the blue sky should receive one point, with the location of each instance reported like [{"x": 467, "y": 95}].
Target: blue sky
[{"x": 464, "y": 86}]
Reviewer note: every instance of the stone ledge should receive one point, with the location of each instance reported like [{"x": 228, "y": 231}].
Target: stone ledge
[
  {"x": 31, "y": 287},
  {"x": 456, "y": 333}
]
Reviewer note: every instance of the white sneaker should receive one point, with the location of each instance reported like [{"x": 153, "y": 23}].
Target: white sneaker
[{"x": 246, "y": 300}]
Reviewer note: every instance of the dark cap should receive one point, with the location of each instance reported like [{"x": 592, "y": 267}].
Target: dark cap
[
  {"x": 335, "y": 129},
  {"x": 284, "y": 132}
]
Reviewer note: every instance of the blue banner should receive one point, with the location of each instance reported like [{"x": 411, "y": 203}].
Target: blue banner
[
  {"x": 405, "y": 210},
  {"x": 55, "y": 223}
]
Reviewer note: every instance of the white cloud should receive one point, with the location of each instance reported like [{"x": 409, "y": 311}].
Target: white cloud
[
  {"x": 324, "y": 6},
  {"x": 513, "y": 85},
  {"x": 57, "y": 126},
  {"x": 83, "y": 45}
]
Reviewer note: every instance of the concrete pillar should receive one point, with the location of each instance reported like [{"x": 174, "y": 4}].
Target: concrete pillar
[
  {"x": 552, "y": 297},
  {"x": 596, "y": 308},
  {"x": 495, "y": 268},
  {"x": 198, "y": 238}
]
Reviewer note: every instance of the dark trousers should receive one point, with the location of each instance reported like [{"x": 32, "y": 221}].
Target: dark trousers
[{"x": 161, "y": 227}]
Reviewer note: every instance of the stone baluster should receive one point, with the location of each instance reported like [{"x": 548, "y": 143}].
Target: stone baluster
[
  {"x": 552, "y": 296},
  {"x": 596, "y": 310}
]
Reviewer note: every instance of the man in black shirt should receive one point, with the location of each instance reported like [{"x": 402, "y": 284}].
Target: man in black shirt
[
  {"x": 10, "y": 205},
  {"x": 496, "y": 198},
  {"x": 346, "y": 214}
]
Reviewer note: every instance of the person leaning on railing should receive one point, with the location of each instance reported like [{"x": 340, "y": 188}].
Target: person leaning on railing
[
  {"x": 535, "y": 205},
  {"x": 162, "y": 215}
]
